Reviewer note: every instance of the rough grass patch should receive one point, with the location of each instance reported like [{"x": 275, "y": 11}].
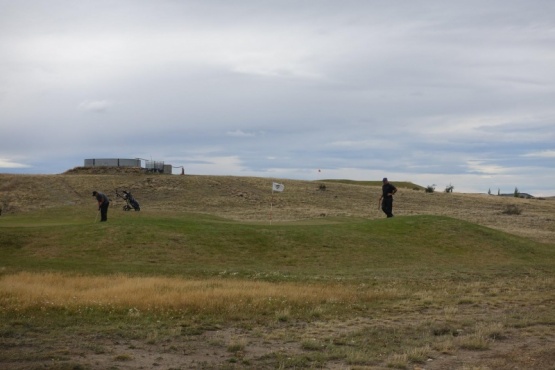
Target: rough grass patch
[
  {"x": 474, "y": 342},
  {"x": 283, "y": 315},
  {"x": 512, "y": 209},
  {"x": 419, "y": 354},
  {"x": 123, "y": 357},
  {"x": 312, "y": 345},
  {"x": 237, "y": 345},
  {"x": 398, "y": 361},
  {"x": 231, "y": 298}
]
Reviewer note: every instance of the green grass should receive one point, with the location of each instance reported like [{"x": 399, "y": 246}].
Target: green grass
[{"x": 200, "y": 245}]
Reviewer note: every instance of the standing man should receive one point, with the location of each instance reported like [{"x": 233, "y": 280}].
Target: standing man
[
  {"x": 386, "y": 200},
  {"x": 103, "y": 204}
]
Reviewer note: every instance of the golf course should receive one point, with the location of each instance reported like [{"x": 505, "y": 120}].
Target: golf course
[{"x": 219, "y": 272}]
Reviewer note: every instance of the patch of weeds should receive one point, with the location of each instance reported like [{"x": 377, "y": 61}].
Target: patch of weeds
[
  {"x": 446, "y": 347},
  {"x": 444, "y": 329},
  {"x": 357, "y": 357},
  {"x": 97, "y": 349},
  {"x": 237, "y": 345},
  {"x": 450, "y": 311},
  {"x": 8, "y": 333},
  {"x": 66, "y": 366},
  {"x": 152, "y": 337},
  {"x": 312, "y": 345},
  {"x": 283, "y": 315},
  {"x": 419, "y": 354},
  {"x": 133, "y": 312},
  {"x": 340, "y": 341},
  {"x": 123, "y": 357},
  {"x": 474, "y": 342},
  {"x": 512, "y": 209},
  {"x": 495, "y": 331},
  {"x": 279, "y": 360},
  {"x": 317, "y": 312},
  {"x": 398, "y": 361},
  {"x": 466, "y": 301},
  {"x": 216, "y": 342},
  {"x": 197, "y": 329}
]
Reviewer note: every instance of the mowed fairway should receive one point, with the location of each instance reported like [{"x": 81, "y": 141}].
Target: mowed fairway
[{"x": 216, "y": 272}]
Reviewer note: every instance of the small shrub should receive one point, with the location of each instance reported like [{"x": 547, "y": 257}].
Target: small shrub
[
  {"x": 316, "y": 312},
  {"x": 495, "y": 331},
  {"x": 123, "y": 357},
  {"x": 419, "y": 355},
  {"x": 474, "y": 342},
  {"x": 398, "y": 361},
  {"x": 444, "y": 329},
  {"x": 152, "y": 337},
  {"x": 237, "y": 345},
  {"x": 312, "y": 345},
  {"x": 283, "y": 315},
  {"x": 430, "y": 188},
  {"x": 512, "y": 209}
]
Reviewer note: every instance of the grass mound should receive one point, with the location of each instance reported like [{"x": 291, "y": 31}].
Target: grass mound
[{"x": 324, "y": 249}]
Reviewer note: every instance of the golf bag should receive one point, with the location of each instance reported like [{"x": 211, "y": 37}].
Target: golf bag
[{"x": 130, "y": 201}]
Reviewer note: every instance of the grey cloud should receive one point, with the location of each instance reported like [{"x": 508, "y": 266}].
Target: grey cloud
[
  {"x": 95, "y": 105},
  {"x": 421, "y": 88}
]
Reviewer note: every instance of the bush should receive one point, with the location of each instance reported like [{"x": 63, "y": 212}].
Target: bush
[
  {"x": 512, "y": 209},
  {"x": 430, "y": 188}
]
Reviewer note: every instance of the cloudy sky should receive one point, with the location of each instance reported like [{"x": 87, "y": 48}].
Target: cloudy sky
[{"x": 435, "y": 92}]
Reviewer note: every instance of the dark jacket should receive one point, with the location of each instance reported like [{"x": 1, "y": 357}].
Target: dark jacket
[
  {"x": 102, "y": 199},
  {"x": 387, "y": 190}
]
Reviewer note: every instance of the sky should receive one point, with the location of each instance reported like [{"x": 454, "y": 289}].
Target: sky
[{"x": 435, "y": 92}]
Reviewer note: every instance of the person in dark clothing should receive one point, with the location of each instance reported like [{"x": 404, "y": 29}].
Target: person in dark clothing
[
  {"x": 103, "y": 204},
  {"x": 386, "y": 200}
]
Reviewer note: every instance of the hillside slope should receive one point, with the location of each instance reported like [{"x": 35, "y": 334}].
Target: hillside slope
[{"x": 251, "y": 199}]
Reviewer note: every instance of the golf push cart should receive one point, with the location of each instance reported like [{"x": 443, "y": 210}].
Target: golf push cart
[{"x": 130, "y": 201}]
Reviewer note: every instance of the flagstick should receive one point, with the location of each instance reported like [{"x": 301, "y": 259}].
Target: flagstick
[{"x": 271, "y": 205}]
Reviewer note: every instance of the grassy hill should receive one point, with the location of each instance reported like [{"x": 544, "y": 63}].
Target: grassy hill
[
  {"x": 398, "y": 184},
  {"x": 205, "y": 246},
  {"x": 251, "y": 199},
  {"x": 218, "y": 272}
]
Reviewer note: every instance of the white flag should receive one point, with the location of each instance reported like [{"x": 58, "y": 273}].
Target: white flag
[{"x": 277, "y": 187}]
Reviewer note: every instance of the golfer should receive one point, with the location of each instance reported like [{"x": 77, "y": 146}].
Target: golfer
[
  {"x": 103, "y": 204},
  {"x": 386, "y": 200}
]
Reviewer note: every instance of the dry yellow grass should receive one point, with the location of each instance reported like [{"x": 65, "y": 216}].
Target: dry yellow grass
[{"x": 216, "y": 296}]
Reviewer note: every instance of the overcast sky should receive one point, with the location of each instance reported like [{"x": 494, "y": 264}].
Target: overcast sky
[{"x": 434, "y": 92}]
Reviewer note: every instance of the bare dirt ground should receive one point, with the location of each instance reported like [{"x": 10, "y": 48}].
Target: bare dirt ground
[
  {"x": 251, "y": 200},
  {"x": 275, "y": 347}
]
